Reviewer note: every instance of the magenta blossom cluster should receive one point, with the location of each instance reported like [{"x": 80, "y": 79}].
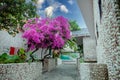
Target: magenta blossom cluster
[{"x": 46, "y": 33}]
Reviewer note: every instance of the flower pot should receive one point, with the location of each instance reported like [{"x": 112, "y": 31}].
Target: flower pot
[{"x": 21, "y": 71}]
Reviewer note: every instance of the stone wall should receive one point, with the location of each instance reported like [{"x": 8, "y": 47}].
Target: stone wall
[
  {"x": 89, "y": 47},
  {"x": 49, "y": 64},
  {"x": 21, "y": 71},
  {"x": 93, "y": 71},
  {"x": 108, "y": 42}
]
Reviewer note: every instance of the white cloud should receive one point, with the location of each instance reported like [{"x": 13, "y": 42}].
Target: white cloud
[
  {"x": 63, "y": 8},
  {"x": 70, "y": 2},
  {"x": 49, "y": 11},
  {"x": 53, "y": 6},
  {"x": 39, "y": 3}
]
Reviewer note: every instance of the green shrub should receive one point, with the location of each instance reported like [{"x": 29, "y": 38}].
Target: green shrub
[{"x": 18, "y": 58}]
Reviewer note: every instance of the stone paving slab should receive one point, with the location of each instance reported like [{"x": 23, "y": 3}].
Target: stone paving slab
[{"x": 62, "y": 72}]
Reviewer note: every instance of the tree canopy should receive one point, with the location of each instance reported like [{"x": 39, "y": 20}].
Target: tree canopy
[
  {"x": 73, "y": 25},
  {"x": 13, "y": 14}
]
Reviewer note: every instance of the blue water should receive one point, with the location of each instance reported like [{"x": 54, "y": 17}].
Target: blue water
[{"x": 65, "y": 57}]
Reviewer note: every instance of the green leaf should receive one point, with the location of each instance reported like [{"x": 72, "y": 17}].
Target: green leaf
[
  {"x": 74, "y": 26},
  {"x": 21, "y": 51},
  {"x": 14, "y": 12},
  {"x": 4, "y": 56},
  {"x": 72, "y": 44}
]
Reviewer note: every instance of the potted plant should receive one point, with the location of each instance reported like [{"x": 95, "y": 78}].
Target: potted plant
[{"x": 46, "y": 33}]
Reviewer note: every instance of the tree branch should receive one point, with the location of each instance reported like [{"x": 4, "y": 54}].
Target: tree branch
[{"x": 31, "y": 55}]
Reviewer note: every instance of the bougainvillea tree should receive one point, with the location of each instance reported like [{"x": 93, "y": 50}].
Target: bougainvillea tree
[{"x": 46, "y": 33}]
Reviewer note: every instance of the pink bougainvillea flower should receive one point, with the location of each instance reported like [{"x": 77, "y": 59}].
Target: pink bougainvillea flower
[{"x": 46, "y": 32}]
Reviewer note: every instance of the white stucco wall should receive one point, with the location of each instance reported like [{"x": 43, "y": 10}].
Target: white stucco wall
[
  {"x": 89, "y": 46},
  {"x": 86, "y": 7},
  {"x": 99, "y": 50},
  {"x": 6, "y": 41}
]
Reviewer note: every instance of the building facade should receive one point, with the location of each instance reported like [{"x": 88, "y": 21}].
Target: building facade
[
  {"x": 102, "y": 18},
  {"x": 108, "y": 37}
]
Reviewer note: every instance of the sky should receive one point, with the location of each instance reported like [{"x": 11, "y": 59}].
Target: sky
[{"x": 66, "y": 8}]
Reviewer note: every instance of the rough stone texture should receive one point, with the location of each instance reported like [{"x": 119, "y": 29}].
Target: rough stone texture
[
  {"x": 93, "y": 71},
  {"x": 49, "y": 64},
  {"x": 21, "y": 71},
  {"x": 7, "y": 40},
  {"x": 89, "y": 46},
  {"x": 108, "y": 42}
]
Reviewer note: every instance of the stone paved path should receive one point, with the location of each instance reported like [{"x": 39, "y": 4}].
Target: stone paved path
[{"x": 62, "y": 72}]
